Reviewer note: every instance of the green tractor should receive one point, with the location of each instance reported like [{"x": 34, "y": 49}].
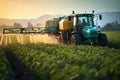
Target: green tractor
[{"x": 77, "y": 29}]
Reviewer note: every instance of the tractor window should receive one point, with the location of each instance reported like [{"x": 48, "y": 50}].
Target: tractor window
[
  {"x": 90, "y": 21},
  {"x": 86, "y": 21},
  {"x": 81, "y": 19}
]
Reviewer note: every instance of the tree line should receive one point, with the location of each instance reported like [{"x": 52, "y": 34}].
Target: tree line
[{"x": 114, "y": 26}]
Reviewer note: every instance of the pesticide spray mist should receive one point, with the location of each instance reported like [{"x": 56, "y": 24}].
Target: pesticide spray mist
[{"x": 6, "y": 39}]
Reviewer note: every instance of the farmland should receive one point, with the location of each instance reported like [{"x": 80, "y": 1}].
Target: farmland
[
  {"x": 56, "y": 62},
  {"x": 114, "y": 39},
  {"x": 66, "y": 62}
]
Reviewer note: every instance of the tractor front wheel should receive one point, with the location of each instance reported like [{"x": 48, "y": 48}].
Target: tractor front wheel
[{"x": 102, "y": 39}]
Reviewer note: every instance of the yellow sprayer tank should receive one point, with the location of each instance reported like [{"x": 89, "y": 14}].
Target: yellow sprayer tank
[{"x": 65, "y": 24}]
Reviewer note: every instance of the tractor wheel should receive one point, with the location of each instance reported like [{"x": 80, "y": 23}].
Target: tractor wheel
[
  {"x": 102, "y": 39},
  {"x": 75, "y": 39}
]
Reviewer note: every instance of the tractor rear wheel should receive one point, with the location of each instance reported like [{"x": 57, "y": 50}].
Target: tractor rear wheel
[
  {"x": 75, "y": 39},
  {"x": 102, "y": 39}
]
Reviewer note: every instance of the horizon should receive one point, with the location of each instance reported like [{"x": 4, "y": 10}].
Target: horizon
[{"x": 32, "y": 9}]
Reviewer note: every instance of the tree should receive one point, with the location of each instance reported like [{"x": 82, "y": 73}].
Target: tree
[
  {"x": 114, "y": 26},
  {"x": 30, "y": 25},
  {"x": 17, "y": 25}
]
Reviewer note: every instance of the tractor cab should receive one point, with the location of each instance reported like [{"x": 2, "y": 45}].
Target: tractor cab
[
  {"x": 82, "y": 20},
  {"x": 84, "y": 25}
]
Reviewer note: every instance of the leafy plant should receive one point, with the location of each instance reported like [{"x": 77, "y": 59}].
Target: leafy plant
[{"x": 63, "y": 62}]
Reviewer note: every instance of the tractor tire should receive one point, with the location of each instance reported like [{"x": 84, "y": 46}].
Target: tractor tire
[
  {"x": 75, "y": 39},
  {"x": 102, "y": 39}
]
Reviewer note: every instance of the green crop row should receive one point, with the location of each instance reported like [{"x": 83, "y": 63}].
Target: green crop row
[
  {"x": 63, "y": 62},
  {"x": 6, "y": 72}
]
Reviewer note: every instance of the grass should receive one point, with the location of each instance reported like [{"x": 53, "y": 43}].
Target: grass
[{"x": 113, "y": 39}]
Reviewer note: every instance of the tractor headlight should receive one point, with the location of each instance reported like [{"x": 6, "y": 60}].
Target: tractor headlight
[{"x": 88, "y": 30}]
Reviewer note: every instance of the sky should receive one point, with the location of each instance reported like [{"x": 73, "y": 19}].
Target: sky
[{"x": 30, "y": 9}]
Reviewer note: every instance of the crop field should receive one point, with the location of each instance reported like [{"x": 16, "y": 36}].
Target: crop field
[
  {"x": 6, "y": 72},
  {"x": 63, "y": 62}
]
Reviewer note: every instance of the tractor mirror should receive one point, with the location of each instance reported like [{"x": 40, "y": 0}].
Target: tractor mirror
[
  {"x": 93, "y": 11},
  {"x": 100, "y": 17},
  {"x": 99, "y": 27}
]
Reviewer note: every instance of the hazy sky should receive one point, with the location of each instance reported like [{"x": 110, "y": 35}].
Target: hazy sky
[{"x": 14, "y": 9}]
